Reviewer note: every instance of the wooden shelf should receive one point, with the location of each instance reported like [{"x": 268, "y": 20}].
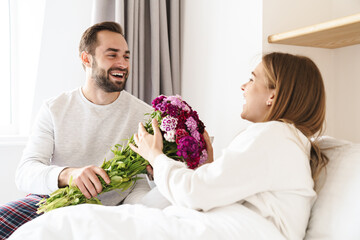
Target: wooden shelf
[{"x": 337, "y": 33}]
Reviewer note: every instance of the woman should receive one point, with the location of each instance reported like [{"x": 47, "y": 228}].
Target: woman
[{"x": 262, "y": 187}]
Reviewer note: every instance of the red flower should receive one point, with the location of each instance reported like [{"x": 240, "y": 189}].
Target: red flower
[{"x": 180, "y": 133}]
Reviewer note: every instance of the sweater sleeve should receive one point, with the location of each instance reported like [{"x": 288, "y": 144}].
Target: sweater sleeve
[
  {"x": 34, "y": 173},
  {"x": 247, "y": 167},
  {"x": 140, "y": 189}
]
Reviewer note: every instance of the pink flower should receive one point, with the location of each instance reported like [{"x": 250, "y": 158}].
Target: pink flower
[
  {"x": 196, "y": 135},
  {"x": 191, "y": 124},
  {"x": 203, "y": 157},
  {"x": 175, "y": 100}
]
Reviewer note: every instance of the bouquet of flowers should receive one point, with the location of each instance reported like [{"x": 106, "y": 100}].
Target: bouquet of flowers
[
  {"x": 182, "y": 140},
  {"x": 181, "y": 128}
]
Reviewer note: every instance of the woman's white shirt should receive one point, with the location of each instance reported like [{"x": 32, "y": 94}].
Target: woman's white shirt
[{"x": 265, "y": 168}]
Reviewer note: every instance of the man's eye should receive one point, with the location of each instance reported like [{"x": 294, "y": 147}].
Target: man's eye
[
  {"x": 251, "y": 80},
  {"x": 127, "y": 57},
  {"x": 112, "y": 55}
]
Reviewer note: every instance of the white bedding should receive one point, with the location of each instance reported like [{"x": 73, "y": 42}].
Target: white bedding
[{"x": 139, "y": 222}]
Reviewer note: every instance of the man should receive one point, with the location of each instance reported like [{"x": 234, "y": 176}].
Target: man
[{"x": 75, "y": 131}]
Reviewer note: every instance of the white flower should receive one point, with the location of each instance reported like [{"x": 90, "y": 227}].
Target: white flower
[
  {"x": 170, "y": 136},
  {"x": 168, "y": 123}
]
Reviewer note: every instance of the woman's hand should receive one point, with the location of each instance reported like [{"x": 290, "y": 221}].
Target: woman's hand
[
  {"x": 148, "y": 146},
  {"x": 209, "y": 148}
]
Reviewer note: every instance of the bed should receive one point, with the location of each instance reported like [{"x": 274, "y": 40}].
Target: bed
[{"x": 335, "y": 214}]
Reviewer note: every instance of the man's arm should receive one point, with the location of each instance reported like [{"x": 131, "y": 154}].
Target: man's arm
[{"x": 34, "y": 173}]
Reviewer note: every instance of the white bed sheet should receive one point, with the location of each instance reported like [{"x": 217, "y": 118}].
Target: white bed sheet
[{"x": 140, "y": 222}]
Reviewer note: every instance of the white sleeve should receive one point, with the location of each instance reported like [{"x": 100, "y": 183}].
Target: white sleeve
[
  {"x": 231, "y": 178},
  {"x": 250, "y": 165},
  {"x": 34, "y": 173}
]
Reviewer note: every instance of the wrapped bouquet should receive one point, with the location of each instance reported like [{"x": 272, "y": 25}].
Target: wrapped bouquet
[
  {"x": 183, "y": 140},
  {"x": 181, "y": 128}
]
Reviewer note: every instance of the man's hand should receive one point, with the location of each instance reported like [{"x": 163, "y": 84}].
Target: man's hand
[
  {"x": 150, "y": 172},
  {"x": 85, "y": 179}
]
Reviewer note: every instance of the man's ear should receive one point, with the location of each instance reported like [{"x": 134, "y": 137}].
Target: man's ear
[{"x": 86, "y": 59}]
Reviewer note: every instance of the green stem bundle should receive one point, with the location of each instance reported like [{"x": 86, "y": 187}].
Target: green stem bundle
[{"x": 122, "y": 170}]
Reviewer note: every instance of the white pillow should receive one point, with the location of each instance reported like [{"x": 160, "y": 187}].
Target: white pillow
[{"x": 336, "y": 212}]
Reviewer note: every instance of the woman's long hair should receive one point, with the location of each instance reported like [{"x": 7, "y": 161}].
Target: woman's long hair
[{"x": 299, "y": 99}]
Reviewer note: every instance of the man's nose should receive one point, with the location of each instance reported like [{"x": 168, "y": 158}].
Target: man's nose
[{"x": 122, "y": 62}]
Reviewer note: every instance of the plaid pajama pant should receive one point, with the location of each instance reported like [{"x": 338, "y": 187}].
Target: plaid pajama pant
[{"x": 16, "y": 213}]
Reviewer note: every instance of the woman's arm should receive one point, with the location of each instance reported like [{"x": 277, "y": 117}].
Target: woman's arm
[
  {"x": 265, "y": 157},
  {"x": 240, "y": 172}
]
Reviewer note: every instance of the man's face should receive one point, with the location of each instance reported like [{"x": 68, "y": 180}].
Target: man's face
[{"x": 111, "y": 65}]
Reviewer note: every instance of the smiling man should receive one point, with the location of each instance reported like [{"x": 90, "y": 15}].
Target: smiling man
[{"x": 75, "y": 131}]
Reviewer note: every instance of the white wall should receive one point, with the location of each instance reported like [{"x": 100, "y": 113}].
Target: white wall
[
  {"x": 220, "y": 42},
  {"x": 58, "y": 69},
  {"x": 339, "y": 67},
  {"x": 347, "y": 80},
  {"x": 10, "y": 154},
  {"x": 59, "y": 64}
]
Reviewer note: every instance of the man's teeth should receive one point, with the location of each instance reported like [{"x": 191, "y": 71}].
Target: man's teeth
[{"x": 118, "y": 74}]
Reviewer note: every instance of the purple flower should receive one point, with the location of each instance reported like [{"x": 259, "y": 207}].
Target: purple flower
[
  {"x": 188, "y": 147},
  {"x": 191, "y": 124},
  {"x": 158, "y": 101},
  {"x": 172, "y": 110}
]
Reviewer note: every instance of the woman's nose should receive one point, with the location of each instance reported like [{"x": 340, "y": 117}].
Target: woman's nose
[{"x": 243, "y": 87}]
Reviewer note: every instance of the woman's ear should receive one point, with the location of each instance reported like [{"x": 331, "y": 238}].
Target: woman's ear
[
  {"x": 270, "y": 100},
  {"x": 86, "y": 59}
]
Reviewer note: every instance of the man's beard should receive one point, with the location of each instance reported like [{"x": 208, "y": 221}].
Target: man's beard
[{"x": 102, "y": 78}]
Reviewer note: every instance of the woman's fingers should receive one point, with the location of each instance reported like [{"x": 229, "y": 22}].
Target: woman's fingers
[
  {"x": 155, "y": 126},
  {"x": 141, "y": 130},
  {"x": 148, "y": 145},
  {"x": 136, "y": 138},
  {"x": 209, "y": 147},
  {"x": 135, "y": 149}
]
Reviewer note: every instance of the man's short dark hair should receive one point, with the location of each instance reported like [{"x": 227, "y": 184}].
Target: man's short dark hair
[{"x": 88, "y": 40}]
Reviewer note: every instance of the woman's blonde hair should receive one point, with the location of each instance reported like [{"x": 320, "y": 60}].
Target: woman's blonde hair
[{"x": 299, "y": 99}]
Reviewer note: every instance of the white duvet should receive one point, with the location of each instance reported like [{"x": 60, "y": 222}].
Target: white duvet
[
  {"x": 140, "y": 222},
  {"x": 272, "y": 208}
]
